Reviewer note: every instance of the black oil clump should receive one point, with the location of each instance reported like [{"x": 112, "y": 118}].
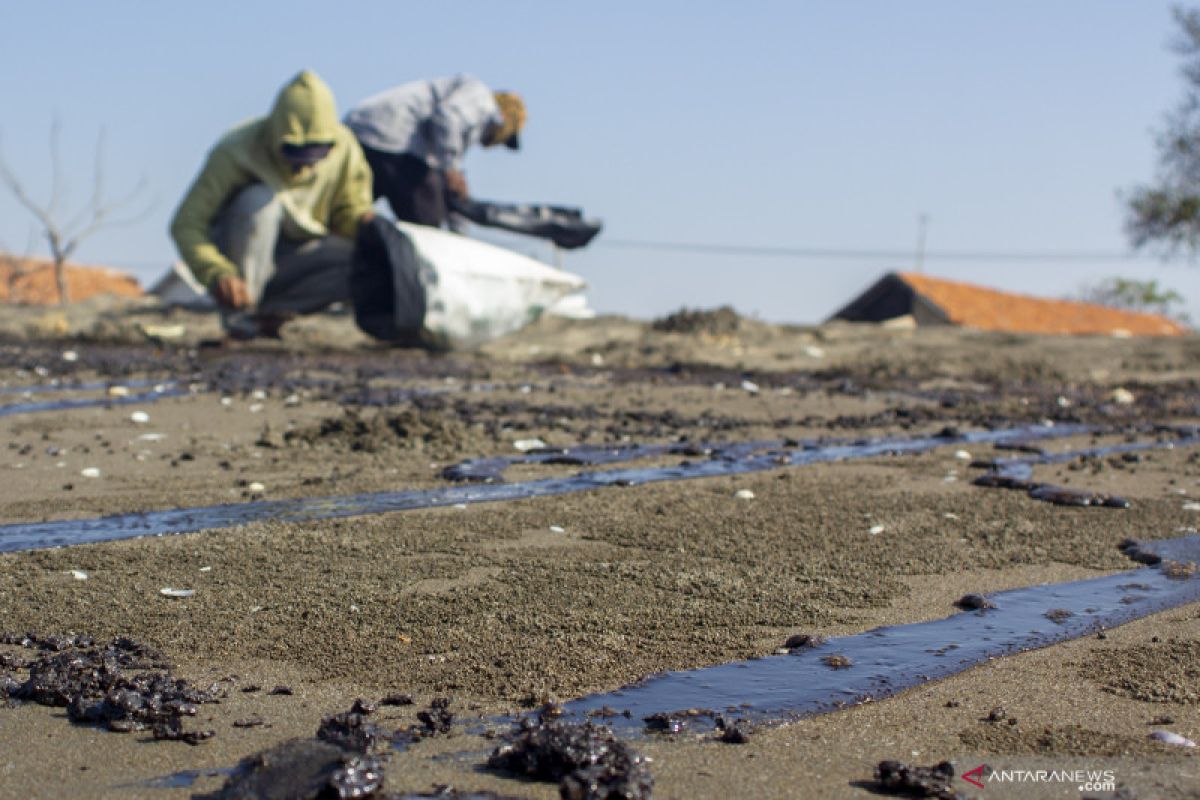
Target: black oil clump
[
  {"x": 804, "y": 641},
  {"x": 304, "y": 769},
  {"x": 351, "y": 730},
  {"x": 122, "y": 686},
  {"x": 735, "y": 731},
  {"x": 662, "y": 722},
  {"x": 437, "y": 718},
  {"x": 339, "y": 763},
  {"x": 714, "y": 322},
  {"x": 896, "y": 778},
  {"x": 586, "y": 759},
  {"x": 974, "y": 602}
]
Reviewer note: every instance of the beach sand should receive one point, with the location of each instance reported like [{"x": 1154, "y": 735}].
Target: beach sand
[{"x": 502, "y": 606}]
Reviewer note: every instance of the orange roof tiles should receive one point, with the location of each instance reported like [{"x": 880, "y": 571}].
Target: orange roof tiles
[
  {"x": 992, "y": 310},
  {"x": 30, "y": 281}
]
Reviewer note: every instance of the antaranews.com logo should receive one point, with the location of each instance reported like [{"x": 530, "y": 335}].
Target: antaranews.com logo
[{"x": 1087, "y": 780}]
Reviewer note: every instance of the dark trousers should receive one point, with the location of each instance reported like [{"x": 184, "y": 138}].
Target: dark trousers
[{"x": 415, "y": 192}]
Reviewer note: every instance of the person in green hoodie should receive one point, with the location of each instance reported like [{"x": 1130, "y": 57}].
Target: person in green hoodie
[{"x": 268, "y": 226}]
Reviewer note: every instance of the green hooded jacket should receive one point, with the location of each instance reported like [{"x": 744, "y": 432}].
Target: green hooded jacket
[{"x": 330, "y": 196}]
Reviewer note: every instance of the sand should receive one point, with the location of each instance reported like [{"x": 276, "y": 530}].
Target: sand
[{"x": 506, "y": 605}]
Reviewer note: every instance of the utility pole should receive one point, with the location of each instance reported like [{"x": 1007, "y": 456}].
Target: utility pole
[{"x": 922, "y": 225}]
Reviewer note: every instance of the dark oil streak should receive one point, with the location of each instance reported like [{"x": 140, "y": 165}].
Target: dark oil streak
[
  {"x": 885, "y": 661},
  {"x": 92, "y": 386},
  {"x": 1017, "y": 473},
  {"x": 731, "y": 461}
]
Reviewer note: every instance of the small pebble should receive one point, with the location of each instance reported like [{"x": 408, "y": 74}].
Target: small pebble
[
  {"x": 744, "y": 494},
  {"x": 1121, "y": 396},
  {"x": 90, "y": 472},
  {"x": 1168, "y": 737}
]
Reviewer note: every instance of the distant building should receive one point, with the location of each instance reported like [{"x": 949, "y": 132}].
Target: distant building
[
  {"x": 30, "y": 281},
  {"x": 936, "y": 301}
]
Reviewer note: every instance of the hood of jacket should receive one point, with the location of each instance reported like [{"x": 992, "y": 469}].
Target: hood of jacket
[{"x": 304, "y": 113}]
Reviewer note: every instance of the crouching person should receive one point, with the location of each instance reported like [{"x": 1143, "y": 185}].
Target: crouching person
[{"x": 268, "y": 226}]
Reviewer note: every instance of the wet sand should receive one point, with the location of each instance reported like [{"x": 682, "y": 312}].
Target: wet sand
[{"x": 504, "y": 606}]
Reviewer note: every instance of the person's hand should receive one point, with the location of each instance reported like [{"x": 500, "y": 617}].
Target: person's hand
[
  {"x": 456, "y": 183},
  {"x": 230, "y": 291}
]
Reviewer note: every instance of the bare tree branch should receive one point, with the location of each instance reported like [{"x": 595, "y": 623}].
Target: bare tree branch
[
  {"x": 64, "y": 239},
  {"x": 14, "y": 186},
  {"x": 57, "y": 183}
]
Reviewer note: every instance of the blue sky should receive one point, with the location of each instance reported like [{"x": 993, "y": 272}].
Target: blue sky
[{"x": 809, "y": 125}]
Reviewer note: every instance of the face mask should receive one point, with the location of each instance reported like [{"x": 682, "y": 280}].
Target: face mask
[{"x": 299, "y": 156}]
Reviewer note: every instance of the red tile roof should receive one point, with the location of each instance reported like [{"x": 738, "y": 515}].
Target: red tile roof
[
  {"x": 30, "y": 281},
  {"x": 992, "y": 310}
]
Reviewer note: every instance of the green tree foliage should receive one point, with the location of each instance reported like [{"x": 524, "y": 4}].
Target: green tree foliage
[{"x": 1166, "y": 214}]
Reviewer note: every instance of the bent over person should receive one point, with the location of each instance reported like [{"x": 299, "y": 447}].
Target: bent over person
[
  {"x": 415, "y": 136},
  {"x": 268, "y": 225}
]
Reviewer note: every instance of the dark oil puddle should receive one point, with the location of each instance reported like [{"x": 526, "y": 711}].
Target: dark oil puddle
[
  {"x": 184, "y": 779},
  {"x": 1017, "y": 473},
  {"x": 851, "y": 670},
  {"x": 160, "y": 392},
  {"x": 732, "y": 459}
]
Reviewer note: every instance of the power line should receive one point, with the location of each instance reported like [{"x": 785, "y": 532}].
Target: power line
[{"x": 714, "y": 248}]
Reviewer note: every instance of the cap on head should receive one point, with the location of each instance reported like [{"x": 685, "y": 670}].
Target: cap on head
[{"x": 512, "y": 108}]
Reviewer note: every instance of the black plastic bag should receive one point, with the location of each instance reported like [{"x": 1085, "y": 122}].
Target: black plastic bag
[
  {"x": 564, "y": 226},
  {"x": 385, "y": 284}
]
